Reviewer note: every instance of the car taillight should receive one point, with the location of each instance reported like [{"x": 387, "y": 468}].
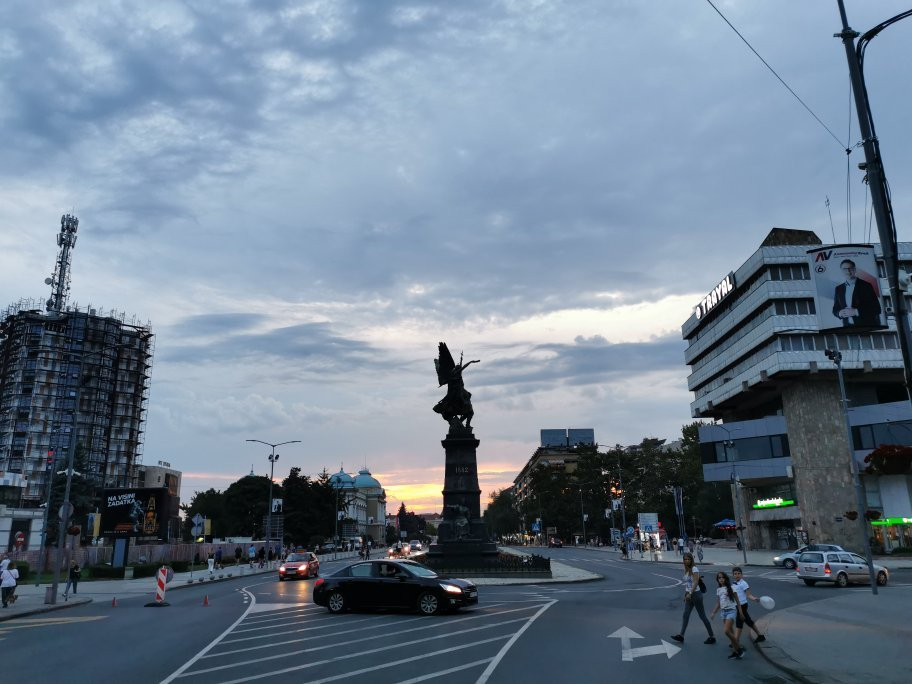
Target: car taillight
[
  {"x": 319, "y": 581},
  {"x": 826, "y": 569}
]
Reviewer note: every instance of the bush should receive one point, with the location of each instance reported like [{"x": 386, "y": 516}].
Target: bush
[
  {"x": 146, "y": 570},
  {"x": 105, "y": 572},
  {"x": 898, "y": 550},
  {"x": 180, "y": 566}
]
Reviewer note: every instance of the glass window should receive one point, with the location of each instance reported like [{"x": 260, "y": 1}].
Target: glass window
[
  {"x": 811, "y": 558},
  {"x": 774, "y": 273},
  {"x": 361, "y": 570},
  {"x": 845, "y": 558}
]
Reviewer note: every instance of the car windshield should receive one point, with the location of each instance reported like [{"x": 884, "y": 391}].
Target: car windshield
[
  {"x": 420, "y": 570},
  {"x": 296, "y": 558},
  {"x": 811, "y": 557}
]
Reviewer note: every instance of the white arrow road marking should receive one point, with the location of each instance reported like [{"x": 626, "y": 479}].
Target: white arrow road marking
[{"x": 625, "y": 634}]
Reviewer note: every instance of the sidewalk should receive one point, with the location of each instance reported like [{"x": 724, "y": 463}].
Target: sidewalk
[
  {"x": 716, "y": 555},
  {"x": 31, "y": 598}
]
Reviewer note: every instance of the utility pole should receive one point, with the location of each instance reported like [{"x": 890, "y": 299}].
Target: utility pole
[{"x": 880, "y": 197}]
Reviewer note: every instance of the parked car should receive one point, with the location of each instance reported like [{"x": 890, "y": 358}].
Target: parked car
[
  {"x": 415, "y": 545},
  {"x": 393, "y": 584},
  {"x": 789, "y": 559},
  {"x": 299, "y": 566},
  {"x": 839, "y": 567}
]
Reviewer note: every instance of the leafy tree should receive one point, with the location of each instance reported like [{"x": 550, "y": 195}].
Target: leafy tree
[
  {"x": 501, "y": 515},
  {"x": 412, "y": 524},
  {"x": 245, "y": 505},
  {"x": 211, "y": 505}
]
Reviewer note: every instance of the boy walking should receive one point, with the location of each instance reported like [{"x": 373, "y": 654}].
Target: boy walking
[{"x": 742, "y": 588}]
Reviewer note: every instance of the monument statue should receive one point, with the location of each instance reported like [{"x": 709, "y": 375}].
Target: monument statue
[{"x": 456, "y": 406}]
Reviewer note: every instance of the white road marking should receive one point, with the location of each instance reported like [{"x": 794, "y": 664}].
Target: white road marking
[
  {"x": 506, "y": 647},
  {"x": 442, "y": 673}
]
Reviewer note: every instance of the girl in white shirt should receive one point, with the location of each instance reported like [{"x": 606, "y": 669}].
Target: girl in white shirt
[{"x": 727, "y": 602}]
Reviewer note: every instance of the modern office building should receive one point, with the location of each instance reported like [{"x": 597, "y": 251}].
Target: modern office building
[
  {"x": 70, "y": 375},
  {"x": 755, "y": 348}
]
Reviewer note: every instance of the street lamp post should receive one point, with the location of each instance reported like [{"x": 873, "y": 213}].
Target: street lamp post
[
  {"x": 860, "y": 498},
  {"x": 273, "y": 457},
  {"x": 736, "y": 483}
]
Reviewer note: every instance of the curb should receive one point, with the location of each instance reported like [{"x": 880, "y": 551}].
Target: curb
[
  {"x": 46, "y": 608},
  {"x": 781, "y": 660}
]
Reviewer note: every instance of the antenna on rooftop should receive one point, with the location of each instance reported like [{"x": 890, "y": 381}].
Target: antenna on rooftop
[{"x": 60, "y": 281}]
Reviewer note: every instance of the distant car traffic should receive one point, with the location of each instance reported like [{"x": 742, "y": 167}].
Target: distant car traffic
[
  {"x": 397, "y": 550},
  {"x": 393, "y": 584},
  {"x": 555, "y": 543},
  {"x": 415, "y": 545},
  {"x": 299, "y": 566},
  {"x": 841, "y": 568},
  {"x": 790, "y": 558}
]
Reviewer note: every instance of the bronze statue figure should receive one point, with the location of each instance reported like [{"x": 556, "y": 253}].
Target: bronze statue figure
[{"x": 456, "y": 406}]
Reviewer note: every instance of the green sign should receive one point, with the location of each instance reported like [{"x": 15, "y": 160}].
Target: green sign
[
  {"x": 774, "y": 503},
  {"x": 892, "y": 521}
]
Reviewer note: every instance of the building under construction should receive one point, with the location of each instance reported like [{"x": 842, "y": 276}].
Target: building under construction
[{"x": 70, "y": 375}]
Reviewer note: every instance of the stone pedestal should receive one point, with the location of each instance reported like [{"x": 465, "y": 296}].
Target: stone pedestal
[{"x": 462, "y": 532}]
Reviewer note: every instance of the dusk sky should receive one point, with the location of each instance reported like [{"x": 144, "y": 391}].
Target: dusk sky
[{"x": 304, "y": 198}]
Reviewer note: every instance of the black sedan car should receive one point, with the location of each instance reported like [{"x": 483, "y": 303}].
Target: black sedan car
[{"x": 393, "y": 584}]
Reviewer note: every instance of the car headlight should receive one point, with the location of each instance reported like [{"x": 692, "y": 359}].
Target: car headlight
[
  {"x": 776, "y": 558},
  {"x": 450, "y": 588},
  {"x": 281, "y": 568}
]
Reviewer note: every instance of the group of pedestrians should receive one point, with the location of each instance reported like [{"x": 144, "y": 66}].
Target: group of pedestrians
[{"x": 731, "y": 601}]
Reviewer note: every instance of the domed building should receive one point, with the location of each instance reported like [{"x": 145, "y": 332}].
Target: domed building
[{"x": 362, "y": 506}]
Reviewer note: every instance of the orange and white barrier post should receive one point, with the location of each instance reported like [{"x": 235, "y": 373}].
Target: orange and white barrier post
[{"x": 161, "y": 580}]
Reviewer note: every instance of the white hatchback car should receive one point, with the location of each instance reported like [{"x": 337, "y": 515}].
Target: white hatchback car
[
  {"x": 790, "y": 558},
  {"x": 839, "y": 567}
]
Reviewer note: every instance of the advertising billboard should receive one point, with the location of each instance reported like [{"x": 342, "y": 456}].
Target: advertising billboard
[
  {"x": 134, "y": 512},
  {"x": 846, "y": 287}
]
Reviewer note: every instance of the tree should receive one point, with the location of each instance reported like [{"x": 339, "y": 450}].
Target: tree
[
  {"x": 211, "y": 505},
  {"x": 409, "y": 522},
  {"x": 501, "y": 515},
  {"x": 245, "y": 505}
]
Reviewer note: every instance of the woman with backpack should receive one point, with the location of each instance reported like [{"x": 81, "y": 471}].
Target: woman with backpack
[
  {"x": 9, "y": 577},
  {"x": 694, "y": 588}
]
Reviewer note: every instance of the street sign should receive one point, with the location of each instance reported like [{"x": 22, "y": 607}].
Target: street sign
[
  {"x": 630, "y": 530},
  {"x": 647, "y": 528},
  {"x": 198, "y": 519},
  {"x": 644, "y": 519},
  {"x": 66, "y": 510},
  {"x": 19, "y": 540},
  {"x": 536, "y": 527}
]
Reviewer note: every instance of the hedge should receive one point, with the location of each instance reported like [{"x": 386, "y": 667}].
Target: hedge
[
  {"x": 146, "y": 570},
  {"x": 23, "y": 568},
  {"x": 106, "y": 572}
]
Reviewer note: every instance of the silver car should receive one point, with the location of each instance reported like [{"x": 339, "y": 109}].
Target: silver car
[
  {"x": 790, "y": 558},
  {"x": 839, "y": 567}
]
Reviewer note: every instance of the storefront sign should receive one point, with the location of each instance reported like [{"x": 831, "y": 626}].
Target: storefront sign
[
  {"x": 716, "y": 295},
  {"x": 778, "y": 502},
  {"x": 892, "y": 521}
]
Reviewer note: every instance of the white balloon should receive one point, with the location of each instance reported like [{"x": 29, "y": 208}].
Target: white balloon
[{"x": 767, "y": 602}]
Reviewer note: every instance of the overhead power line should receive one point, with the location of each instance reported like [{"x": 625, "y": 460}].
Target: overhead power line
[{"x": 843, "y": 147}]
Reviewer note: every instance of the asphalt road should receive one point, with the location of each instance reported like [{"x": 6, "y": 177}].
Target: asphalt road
[{"x": 257, "y": 628}]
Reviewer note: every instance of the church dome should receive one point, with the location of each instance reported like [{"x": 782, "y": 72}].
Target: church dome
[
  {"x": 342, "y": 480},
  {"x": 364, "y": 480}
]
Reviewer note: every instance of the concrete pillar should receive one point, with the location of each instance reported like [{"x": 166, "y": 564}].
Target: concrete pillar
[{"x": 820, "y": 460}]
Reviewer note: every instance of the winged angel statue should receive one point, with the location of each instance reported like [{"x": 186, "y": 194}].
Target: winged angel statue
[{"x": 456, "y": 406}]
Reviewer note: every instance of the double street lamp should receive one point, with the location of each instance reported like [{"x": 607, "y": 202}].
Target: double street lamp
[{"x": 273, "y": 457}]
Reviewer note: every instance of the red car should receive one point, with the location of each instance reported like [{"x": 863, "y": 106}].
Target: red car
[{"x": 299, "y": 566}]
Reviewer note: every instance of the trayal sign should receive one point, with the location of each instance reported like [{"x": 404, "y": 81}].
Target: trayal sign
[{"x": 716, "y": 295}]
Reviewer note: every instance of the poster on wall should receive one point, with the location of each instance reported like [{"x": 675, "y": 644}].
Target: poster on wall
[
  {"x": 135, "y": 512},
  {"x": 846, "y": 287}
]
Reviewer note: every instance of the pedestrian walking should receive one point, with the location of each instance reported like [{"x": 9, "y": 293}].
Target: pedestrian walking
[
  {"x": 727, "y": 603},
  {"x": 680, "y": 546},
  {"x": 742, "y": 588},
  {"x": 261, "y": 556},
  {"x": 73, "y": 576},
  {"x": 238, "y": 552},
  {"x": 251, "y": 554},
  {"x": 218, "y": 558},
  {"x": 210, "y": 561},
  {"x": 700, "y": 551},
  {"x": 693, "y": 599},
  {"x": 9, "y": 578}
]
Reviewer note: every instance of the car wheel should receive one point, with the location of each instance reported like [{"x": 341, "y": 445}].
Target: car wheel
[
  {"x": 842, "y": 580},
  {"x": 810, "y": 583},
  {"x": 789, "y": 563},
  {"x": 428, "y": 603},
  {"x": 335, "y": 602},
  {"x": 881, "y": 579}
]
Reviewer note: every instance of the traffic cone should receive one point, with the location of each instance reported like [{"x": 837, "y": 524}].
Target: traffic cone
[
  {"x": 114, "y": 602},
  {"x": 206, "y": 600}
]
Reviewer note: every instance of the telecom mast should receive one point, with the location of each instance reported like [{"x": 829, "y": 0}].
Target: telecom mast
[{"x": 60, "y": 281}]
